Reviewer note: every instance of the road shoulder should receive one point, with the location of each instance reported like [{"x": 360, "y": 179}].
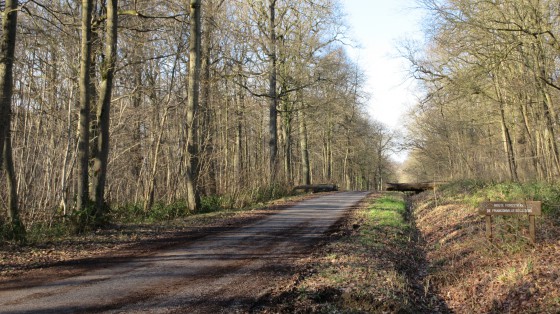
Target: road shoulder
[
  {"x": 373, "y": 262},
  {"x": 31, "y": 265}
]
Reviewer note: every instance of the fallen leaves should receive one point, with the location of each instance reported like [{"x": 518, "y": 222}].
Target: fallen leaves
[
  {"x": 476, "y": 276},
  {"x": 47, "y": 254}
]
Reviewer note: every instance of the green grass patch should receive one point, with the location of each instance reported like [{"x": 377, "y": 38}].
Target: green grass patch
[
  {"x": 393, "y": 202},
  {"x": 372, "y": 270},
  {"x": 388, "y": 211}
]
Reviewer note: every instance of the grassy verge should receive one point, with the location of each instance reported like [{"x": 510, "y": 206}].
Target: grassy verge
[
  {"x": 508, "y": 274},
  {"x": 374, "y": 268}
]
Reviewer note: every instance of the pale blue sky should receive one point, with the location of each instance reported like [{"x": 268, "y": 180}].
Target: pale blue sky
[{"x": 378, "y": 26}]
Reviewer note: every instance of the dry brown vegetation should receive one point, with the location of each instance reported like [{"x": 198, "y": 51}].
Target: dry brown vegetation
[{"x": 474, "y": 275}]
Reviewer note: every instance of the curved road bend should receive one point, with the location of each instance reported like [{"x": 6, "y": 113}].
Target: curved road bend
[{"x": 222, "y": 272}]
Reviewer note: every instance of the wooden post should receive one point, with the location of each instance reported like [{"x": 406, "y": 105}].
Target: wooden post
[
  {"x": 532, "y": 228},
  {"x": 489, "y": 227}
]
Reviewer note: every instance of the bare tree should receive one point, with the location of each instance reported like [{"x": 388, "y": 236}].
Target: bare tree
[
  {"x": 165, "y": 147},
  {"x": 7, "y": 55},
  {"x": 101, "y": 151},
  {"x": 192, "y": 106},
  {"x": 495, "y": 96},
  {"x": 272, "y": 93},
  {"x": 84, "y": 105}
]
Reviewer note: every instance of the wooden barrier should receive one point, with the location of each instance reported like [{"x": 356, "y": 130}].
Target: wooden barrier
[
  {"x": 315, "y": 188},
  {"x": 412, "y": 187}
]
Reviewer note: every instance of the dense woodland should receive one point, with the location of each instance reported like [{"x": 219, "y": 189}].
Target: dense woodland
[
  {"x": 489, "y": 74},
  {"x": 106, "y": 103}
]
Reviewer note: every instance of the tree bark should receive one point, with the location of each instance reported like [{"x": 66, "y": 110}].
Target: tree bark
[
  {"x": 328, "y": 152},
  {"x": 193, "y": 196},
  {"x": 508, "y": 145},
  {"x": 101, "y": 157},
  {"x": 286, "y": 134},
  {"x": 84, "y": 105},
  {"x": 238, "y": 157},
  {"x": 9, "y": 24},
  {"x": 273, "y": 95},
  {"x": 16, "y": 226},
  {"x": 303, "y": 145},
  {"x": 207, "y": 112},
  {"x": 7, "y": 54}
]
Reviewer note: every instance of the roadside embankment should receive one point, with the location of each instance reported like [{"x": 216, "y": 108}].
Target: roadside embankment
[{"x": 508, "y": 274}]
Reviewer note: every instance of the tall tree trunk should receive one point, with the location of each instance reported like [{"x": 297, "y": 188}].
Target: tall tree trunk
[
  {"x": 551, "y": 117},
  {"x": 7, "y": 52},
  {"x": 304, "y": 149},
  {"x": 16, "y": 226},
  {"x": 9, "y": 24},
  {"x": 152, "y": 180},
  {"x": 286, "y": 134},
  {"x": 206, "y": 111},
  {"x": 328, "y": 149},
  {"x": 537, "y": 164},
  {"x": 549, "y": 110},
  {"x": 508, "y": 145},
  {"x": 346, "y": 169},
  {"x": 193, "y": 196},
  {"x": 379, "y": 169},
  {"x": 273, "y": 107},
  {"x": 137, "y": 154},
  {"x": 103, "y": 109},
  {"x": 83, "y": 127},
  {"x": 238, "y": 157}
]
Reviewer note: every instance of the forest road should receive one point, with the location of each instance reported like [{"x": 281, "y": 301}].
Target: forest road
[{"x": 220, "y": 273}]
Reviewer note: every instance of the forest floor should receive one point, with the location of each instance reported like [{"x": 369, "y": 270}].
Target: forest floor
[
  {"x": 72, "y": 254},
  {"x": 473, "y": 275}
]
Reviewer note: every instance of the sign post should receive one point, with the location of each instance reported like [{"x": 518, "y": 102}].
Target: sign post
[
  {"x": 529, "y": 208},
  {"x": 489, "y": 227}
]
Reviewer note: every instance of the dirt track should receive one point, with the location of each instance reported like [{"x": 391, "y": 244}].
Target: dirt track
[{"x": 222, "y": 272}]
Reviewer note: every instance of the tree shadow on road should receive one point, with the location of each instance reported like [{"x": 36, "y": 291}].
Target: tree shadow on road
[{"x": 365, "y": 267}]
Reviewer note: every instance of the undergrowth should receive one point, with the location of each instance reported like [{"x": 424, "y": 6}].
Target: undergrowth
[
  {"x": 507, "y": 274},
  {"x": 475, "y": 192},
  {"x": 510, "y": 229},
  {"x": 209, "y": 204},
  {"x": 60, "y": 226}
]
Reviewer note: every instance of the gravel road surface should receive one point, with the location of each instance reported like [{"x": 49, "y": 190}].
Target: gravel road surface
[{"x": 221, "y": 273}]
